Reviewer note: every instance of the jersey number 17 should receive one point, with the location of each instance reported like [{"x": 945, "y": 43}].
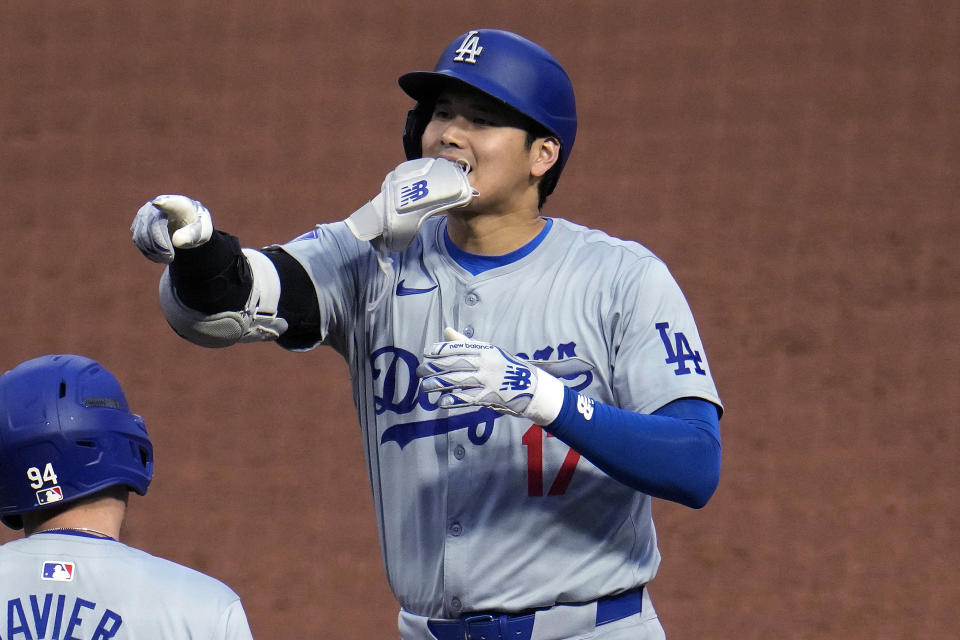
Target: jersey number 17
[{"x": 533, "y": 441}]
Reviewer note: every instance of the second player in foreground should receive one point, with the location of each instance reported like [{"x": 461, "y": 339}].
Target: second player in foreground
[{"x": 71, "y": 451}]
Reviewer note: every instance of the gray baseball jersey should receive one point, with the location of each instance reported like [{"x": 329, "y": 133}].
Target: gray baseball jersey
[
  {"x": 61, "y": 587},
  {"x": 479, "y": 510}
]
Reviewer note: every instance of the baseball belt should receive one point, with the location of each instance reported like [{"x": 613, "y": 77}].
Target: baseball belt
[{"x": 483, "y": 626}]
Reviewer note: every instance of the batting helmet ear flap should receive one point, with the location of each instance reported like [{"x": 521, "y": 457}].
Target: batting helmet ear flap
[{"x": 413, "y": 128}]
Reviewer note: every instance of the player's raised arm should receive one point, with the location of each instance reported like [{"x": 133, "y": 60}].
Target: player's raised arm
[{"x": 213, "y": 293}]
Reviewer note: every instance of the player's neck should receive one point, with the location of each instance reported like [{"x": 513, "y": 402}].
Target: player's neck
[
  {"x": 103, "y": 516},
  {"x": 492, "y": 235}
]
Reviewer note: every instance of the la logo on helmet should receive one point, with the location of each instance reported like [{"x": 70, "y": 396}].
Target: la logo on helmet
[{"x": 469, "y": 49}]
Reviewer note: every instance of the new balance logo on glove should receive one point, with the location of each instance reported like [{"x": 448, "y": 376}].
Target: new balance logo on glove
[
  {"x": 413, "y": 192},
  {"x": 516, "y": 378}
]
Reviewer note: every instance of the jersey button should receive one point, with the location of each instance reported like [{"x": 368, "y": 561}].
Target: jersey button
[
  {"x": 459, "y": 452},
  {"x": 456, "y": 529},
  {"x": 455, "y": 603},
  {"x": 471, "y": 299},
  {"x": 468, "y": 331}
]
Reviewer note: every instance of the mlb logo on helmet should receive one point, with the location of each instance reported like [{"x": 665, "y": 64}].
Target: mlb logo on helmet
[
  {"x": 57, "y": 571},
  {"x": 46, "y": 496}
]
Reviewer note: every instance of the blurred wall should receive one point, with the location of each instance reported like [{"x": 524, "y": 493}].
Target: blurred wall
[{"x": 795, "y": 163}]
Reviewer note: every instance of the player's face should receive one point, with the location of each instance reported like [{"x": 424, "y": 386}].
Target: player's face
[{"x": 468, "y": 125}]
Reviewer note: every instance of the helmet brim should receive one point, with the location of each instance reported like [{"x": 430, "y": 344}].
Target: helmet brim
[{"x": 425, "y": 86}]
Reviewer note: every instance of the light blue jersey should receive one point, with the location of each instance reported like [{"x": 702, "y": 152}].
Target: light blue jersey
[
  {"x": 484, "y": 511},
  {"x": 56, "y": 586}
]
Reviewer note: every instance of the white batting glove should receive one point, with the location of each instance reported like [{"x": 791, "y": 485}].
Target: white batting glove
[
  {"x": 168, "y": 222},
  {"x": 471, "y": 373},
  {"x": 411, "y": 193}
]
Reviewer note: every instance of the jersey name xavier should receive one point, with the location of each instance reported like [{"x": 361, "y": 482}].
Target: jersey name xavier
[{"x": 62, "y": 586}]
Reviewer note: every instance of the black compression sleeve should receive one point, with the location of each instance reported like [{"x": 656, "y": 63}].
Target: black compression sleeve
[
  {"x": 298, "y": 302},
  {"x": 213, "y": 277}
]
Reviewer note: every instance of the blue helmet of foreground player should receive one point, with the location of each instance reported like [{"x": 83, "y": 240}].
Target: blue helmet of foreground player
[
  {"x": 512, "y": 69},
  {"x": 66, "y": 432}
]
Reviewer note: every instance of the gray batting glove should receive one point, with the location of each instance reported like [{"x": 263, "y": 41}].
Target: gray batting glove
[
  {"x": 471, "y": 373},
  {"x": 168, "y": 222}
]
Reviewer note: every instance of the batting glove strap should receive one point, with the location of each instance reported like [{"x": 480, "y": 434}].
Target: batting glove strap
[{"x": 546, "y": 403}]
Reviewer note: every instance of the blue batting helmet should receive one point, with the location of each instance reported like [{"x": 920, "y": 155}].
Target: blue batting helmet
[
  {"x": 508, "y": 67},
  {"x": 66, "y": 432}
]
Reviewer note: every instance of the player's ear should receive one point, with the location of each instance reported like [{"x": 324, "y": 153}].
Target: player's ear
[{"x": 544, "y": 153}]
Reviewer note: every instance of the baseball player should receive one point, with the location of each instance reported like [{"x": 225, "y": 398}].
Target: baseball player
[
  {"x": 70, "y": 453},
  {"x": 525, "y": 385}
]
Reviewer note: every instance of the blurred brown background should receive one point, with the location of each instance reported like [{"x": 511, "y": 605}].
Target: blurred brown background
[{"x": 795, "y": 163}]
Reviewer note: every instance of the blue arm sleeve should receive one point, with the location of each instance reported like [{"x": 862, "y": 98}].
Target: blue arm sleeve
[{"x": 672, "y": 454}]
